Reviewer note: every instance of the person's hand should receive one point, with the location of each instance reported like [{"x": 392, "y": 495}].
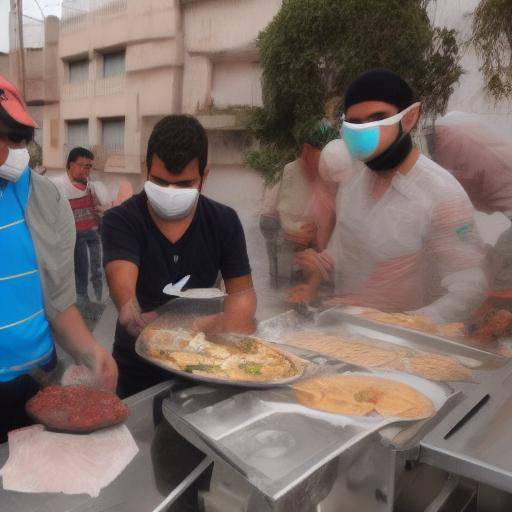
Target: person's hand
[
  {"x": 313, "y": 262},
  {"x": 303, "y": 236},
  {"x": 102, "y": 365},
  {"x": 133, "y": 320},
  {"x": 301, "y": 294},
  {"x": 209, "y": 324},
  {"x": 224, "y": 322}
]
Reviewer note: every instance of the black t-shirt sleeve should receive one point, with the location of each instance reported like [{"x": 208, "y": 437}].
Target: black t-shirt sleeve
[
  {"x": 119, "y": 237},
  {"x": 234, "y": 257}
]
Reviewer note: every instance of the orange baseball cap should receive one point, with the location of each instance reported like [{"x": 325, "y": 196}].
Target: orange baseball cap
[{"x": 11, "y": 102}]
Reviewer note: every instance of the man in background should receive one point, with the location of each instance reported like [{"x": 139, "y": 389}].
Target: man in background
[
  {"x": 298, "y": 213},
  {"x": 88, "y": 200}
]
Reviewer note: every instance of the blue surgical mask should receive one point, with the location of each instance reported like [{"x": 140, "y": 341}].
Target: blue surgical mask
[
  {"x": 360, "y": 143},
  {"x": 363, "y": 139}
]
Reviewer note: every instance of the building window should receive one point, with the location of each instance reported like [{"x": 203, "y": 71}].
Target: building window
[
  {"x": 113, "y": 64},
  {"x": 112, "y": 135},
  {"x": 77, "y": 134},
  {"x": 78, "y": 71}
]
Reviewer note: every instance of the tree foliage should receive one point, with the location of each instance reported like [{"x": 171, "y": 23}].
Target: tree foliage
[
  {"x": 492, "y": 40},
  {"x": 313, "y": 49}
]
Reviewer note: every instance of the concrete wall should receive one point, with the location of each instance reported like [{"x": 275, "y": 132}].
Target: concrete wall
[
  {"x": 219, "y": 26},
  {"x": 220, "y": 55},
  {"x": 236, "y": 83}
]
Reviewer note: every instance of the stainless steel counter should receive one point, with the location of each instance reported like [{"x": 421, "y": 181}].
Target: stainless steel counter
[
  {"x": 163, "y": 462},
  {"x": 474, "y": 440}
]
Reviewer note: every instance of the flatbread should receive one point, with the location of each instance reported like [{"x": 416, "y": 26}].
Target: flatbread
[
  {"x": 385, "y": 356},
  {"x": 356, "y": 395},
  {"x": 417, "y": 323},
  {"x": 350, "y": 351},
  {"x": 437, "y": 367}
]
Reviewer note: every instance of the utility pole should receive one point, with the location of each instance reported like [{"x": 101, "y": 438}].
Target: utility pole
[{"x": 17, "y": 9}]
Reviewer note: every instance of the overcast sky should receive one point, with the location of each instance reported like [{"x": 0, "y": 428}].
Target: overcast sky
[{"x": 30, "y": 9}]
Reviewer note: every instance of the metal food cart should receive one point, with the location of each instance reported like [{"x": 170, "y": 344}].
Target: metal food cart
[{"x": 224, "y": 448}]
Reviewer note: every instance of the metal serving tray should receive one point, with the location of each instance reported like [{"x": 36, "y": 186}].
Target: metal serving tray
[
  {"x": 230, "y": 338},
  {"x": 483, "y": 365},
  {"x": 272, "y": 440}
]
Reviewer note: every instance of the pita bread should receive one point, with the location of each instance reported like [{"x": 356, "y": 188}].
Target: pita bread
[
  {"x": 350, "y": 351},
  {"x": 437, "y": 367},
  {"x": 417, "y": 323},
  {"x": 358, "y": 395},
  {"x": 385, "y": 356}
]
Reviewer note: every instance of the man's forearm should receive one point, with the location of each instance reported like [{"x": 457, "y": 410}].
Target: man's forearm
[
  {"x": 240, "y": 311},
  {"x": 75, "y": 338},
  {"x": 121, "y": 295},
  {"x": 121, "y": 279},
  {"x": 72, "y": 334}
]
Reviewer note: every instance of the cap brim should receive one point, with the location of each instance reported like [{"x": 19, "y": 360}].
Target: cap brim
[{"x": 17, "y": 110}]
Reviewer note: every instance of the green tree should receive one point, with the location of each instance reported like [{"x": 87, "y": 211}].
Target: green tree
[
  {"x": 313, "y": 49},
  {"x": 492, "y": 40}
]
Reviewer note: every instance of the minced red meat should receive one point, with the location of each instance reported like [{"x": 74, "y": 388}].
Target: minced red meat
[{"x": 76, "y": 408}]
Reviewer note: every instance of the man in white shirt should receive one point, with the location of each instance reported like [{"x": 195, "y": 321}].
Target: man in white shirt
[
  {"x": 88, "y": 199},
  {"x": 405, "y": 238}
]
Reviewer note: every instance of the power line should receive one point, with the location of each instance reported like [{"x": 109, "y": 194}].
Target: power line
[{"x": 39, "y": 6}]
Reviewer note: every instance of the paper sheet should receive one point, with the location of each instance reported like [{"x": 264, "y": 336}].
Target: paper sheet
[{"x": 41, "y": 461}]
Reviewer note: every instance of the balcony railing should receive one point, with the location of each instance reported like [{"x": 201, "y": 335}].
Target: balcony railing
[
  {"x": 109, "y": 85},
  {"x": 109, "y": 157},
  {"x": 76, "y": 14},
  {"x": 100, "y": 87},
  {"x": 74, "y": 91}
]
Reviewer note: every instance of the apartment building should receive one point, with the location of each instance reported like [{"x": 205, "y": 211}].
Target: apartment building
[{"x": 124, "y": 64}]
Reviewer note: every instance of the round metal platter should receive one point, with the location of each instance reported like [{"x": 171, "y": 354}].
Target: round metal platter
[{"x": 257, "y": 384}]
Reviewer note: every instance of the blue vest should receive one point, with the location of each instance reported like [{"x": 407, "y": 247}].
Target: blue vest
[{"x": 25, "y": 336}]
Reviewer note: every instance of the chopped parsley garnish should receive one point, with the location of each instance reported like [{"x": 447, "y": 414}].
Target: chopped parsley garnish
[
  {"x": 251, "y": 368},
  {"x": 208, "y": 368}
]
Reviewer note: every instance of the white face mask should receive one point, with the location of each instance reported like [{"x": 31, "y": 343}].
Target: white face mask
[
  {"x": 16, "y": 163},
  {"x": 171, "y": 203}
]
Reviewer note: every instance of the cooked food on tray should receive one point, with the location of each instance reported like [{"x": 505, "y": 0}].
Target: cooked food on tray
[
  {"x": 436, "y": 367},
  {"x": 76, "y": 408},
  {"x": 349, "y": 350},
  {"x": 361, "y": 395},
  {"x": 381, "y": 355},
  {"x": 495, "y": 324},
  {"x": 237, "y": 358},
  {"x": 416, "y": 322}
]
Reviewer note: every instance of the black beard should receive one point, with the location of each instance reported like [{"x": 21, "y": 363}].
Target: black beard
[{"x": 394, "y": 155}]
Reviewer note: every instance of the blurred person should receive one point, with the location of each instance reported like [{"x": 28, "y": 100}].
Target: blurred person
[
  {"x": 37, "y": 287},
  {"x": 480, "y": 157},
  {"x": 298, "y": 212},
  {"x": 405, "y": 238},
  {"x": 88, "y": 200},
  {"x": 166, "y": 232}
]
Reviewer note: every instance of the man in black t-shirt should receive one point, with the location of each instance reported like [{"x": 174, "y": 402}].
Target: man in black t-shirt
[{"x": 165, "y": 233}]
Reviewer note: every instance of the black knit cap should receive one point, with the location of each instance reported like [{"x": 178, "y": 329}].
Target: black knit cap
[{"x": 379, "y": 85}]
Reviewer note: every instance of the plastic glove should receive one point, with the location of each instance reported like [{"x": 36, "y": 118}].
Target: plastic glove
[{"x": 102, "y": 365}]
